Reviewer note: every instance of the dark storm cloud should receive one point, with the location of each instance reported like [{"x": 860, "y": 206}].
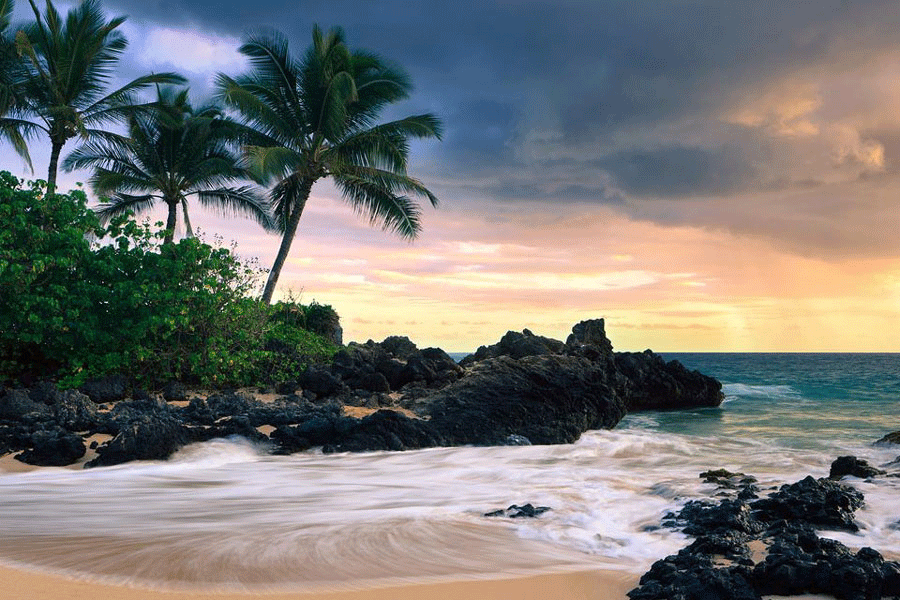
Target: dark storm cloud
[
  {"x": 590, "y": 101},
  {"x": 680, "y": 171}
]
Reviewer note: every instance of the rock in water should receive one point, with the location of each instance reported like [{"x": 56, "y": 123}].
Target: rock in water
[
  {"x": 819, "y": 502},
  {"x": 549, "y": 399},
  {"x": 149, "y": 437},
  {"x": 654, "y": 384},
  {"x": 891, "y": 438},
  {"x": 719, "y": 564},
  {"x": 850, "y": 465},
  {"x": 527, "y": 511}
]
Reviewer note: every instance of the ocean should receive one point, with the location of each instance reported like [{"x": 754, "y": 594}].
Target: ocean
[{"x": 226, "y": 514}]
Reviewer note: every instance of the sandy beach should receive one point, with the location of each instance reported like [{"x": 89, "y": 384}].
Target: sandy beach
[{"x": 582, "y": 585}]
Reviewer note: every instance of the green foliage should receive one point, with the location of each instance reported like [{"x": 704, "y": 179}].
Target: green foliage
[
  {"x": 82, "y": 300},
  {"x": 317, "y": 318}
]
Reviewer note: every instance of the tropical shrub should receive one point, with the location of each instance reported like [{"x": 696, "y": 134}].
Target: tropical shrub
[{"x": 81, "y": 300}]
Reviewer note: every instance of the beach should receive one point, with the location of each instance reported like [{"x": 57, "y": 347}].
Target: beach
[
  {"x": 227, "y": 519},
  {"x": 579, "y": 585}
]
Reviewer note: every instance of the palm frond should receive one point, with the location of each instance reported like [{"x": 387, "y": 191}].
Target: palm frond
[
  {"x": 121, "y": 204},
  {"x": 392, "y": 182},
  {"x": 121, "y": 102},
  {"x": 238, "y": 201},
  {"x": 396, "y": 213},
  {"x": 17, "y": 139},
  {"x": 256, "y": 112},
  {"x": 266, "y": 163},
  {"x": 386, "y": 146}
]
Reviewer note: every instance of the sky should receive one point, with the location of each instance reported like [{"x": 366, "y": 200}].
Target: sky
[{"x": 706, "y": 175}]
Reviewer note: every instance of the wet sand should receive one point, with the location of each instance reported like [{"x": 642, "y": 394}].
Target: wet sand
[{"x": 581, "y": 585}]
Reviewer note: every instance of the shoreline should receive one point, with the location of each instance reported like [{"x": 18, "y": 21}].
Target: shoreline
[{"x": 596, "y": 584}]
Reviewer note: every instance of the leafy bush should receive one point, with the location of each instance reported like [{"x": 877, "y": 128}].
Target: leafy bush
[
  {"x": 80, "y": 300},
  {"x": 317, "y": 318}
]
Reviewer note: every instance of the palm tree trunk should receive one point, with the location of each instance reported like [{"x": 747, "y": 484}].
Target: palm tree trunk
[
  {"x": 289, "y": 232},
  {"x": 55, "y": 149},
  {"x": 170, "y": 222},
  {"x": 188, "y": 230}
]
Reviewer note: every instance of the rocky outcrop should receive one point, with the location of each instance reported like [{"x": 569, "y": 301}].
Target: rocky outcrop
[
  {"x": 590, "y": 333},
  {"x": 524, "y": 389},
  {"x": 548, "y": 399},
  {"x": 650, "y": 383},
  {"x": 516, "y": 345},
  {"x": 818, "y": 502},
  {"x": 390, "y": 366},
  {"x": 75, "y": 412},
  {"x": 17, "y": 405},
  {"x": 789, "y": 557}
]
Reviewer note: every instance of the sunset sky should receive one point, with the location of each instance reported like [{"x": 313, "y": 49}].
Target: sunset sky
[{"x": 718, "y": 175}]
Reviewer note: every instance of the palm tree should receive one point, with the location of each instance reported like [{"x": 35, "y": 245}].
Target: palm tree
[
  {"x": 10, "y": 74},
  {"x": 68, "y": 64},
  {"x": 315, "y": 118},
  {"x": 172, "y": 153}
]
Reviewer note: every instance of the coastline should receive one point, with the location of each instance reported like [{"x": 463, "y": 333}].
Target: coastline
[{"x": 576, "y": 585}]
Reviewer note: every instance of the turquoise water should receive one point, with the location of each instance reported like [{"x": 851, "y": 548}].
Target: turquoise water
[{"x": 810, "y": 401}]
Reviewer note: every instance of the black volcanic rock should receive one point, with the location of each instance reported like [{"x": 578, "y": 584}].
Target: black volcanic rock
[
  {"x": 355, "y": 364},
  {"x": 654, "y": 384},
  {"x": 386, "y": 430},
  {"x": 54, "y": 447},
  {"x": 16, "y": 404},
  {"x": 720, "y": 565},
  {"x": 431, "y": 366},
  {"x": 110, "y": 388},
  {"x": 590, "y": 333},
  {"x": 526, "y": 511},
  {"x": 548, "y": 399},
  {"x": 819, "y": 502},
  {"x": 321, "y": 382},
  {"x": 516, "y": 345},
  {"x": 856, "y": 467},
  {"x": 399, "y": 346},
  {"x": 74, "y": 411},
  {"x": 891, "y": 438},
  {"x": 173, "y": 391},
  {"x": 524, "y": 389},
  {"x": 149, "y": 437}
]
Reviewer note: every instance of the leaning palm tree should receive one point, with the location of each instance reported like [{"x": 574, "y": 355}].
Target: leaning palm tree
[
  {"x": 315, "y": 118},
  {"x": 170, "y": 154},
  {"x": 68, "y": 64}
]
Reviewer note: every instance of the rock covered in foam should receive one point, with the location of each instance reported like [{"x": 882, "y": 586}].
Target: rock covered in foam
[{"x": 721, "y": 565}]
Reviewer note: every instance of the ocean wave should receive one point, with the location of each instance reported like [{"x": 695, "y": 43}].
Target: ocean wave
[
  {"x": 230, "y": 513},
  {"x": 734, "y": 391}
]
